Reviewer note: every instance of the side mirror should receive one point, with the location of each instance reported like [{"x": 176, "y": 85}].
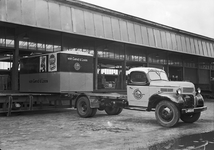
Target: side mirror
[{"x": 128, "y": 78}]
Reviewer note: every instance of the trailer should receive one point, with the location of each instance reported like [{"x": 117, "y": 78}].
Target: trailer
[{"x": 60, "y": 80}]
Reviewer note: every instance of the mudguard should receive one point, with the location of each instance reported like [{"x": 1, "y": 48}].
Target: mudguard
[{"x": 156, "y": 98}]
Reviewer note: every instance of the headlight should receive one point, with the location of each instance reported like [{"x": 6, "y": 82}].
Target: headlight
[
  {"x": 198, "y": 90},
  {"x": 178, "y": 92}
]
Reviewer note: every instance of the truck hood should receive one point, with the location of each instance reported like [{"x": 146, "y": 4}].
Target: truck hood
[{"x": 178, "y": 84}]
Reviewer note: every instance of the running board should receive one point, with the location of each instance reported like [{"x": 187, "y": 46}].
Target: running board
[{"x": 138, "y": 108}]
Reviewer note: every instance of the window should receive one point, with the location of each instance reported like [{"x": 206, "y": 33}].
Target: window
[
  {"x": 157, "y": 75},
  {"x": 138, "y": 77},
  {"x": 204, "y": 64},
  {"x": 110, "y": 50},
  {"x": 136, "y": 54}
]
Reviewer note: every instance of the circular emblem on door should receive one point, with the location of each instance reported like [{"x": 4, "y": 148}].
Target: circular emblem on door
[
  {"x": 77, "y": 66},
  {"x": 137, "y": 94}
]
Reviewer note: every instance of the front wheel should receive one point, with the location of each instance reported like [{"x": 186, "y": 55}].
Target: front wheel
[
  {"x": 190, "y": 118},
  {"x": 83, "y": 107},
  {"x": 167, "y": 114}
]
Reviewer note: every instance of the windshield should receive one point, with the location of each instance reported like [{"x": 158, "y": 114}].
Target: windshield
[{"x": 157, "y": 75}]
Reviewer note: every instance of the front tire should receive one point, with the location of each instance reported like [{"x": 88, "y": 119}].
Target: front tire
[
  {"x": 167, "y": 114},
  {"x": 190, "y": 118},
  {"x": 83, "y": 107}
]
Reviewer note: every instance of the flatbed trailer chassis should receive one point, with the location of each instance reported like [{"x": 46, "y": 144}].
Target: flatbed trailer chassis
[{"x": 86, "y": 103}]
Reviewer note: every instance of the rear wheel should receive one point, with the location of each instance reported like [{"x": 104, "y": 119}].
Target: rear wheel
[
  {"x": 167, "y": 114},
  {"x": 190, "y": 118},
  {"x": 93, "y": 113},
  {"x": 83, "y": 107},
  {"x": 113, "y": 111},
  {"x": 119, "y": 111}
]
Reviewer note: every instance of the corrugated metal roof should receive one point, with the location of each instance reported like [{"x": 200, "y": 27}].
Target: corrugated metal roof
[{"x": 77, "y": 17}]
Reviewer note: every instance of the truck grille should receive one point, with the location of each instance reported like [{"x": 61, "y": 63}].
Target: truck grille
[
  {"x": 166, "y": 90},
  {"x": 188, "y": 90},
  {"x": 189, "y": 101}
]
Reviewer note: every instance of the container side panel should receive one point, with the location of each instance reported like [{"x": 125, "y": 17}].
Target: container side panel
[
  {"x": 29, "y": 65},
  {"x": 71, "y": 81},
  {"x": 40, "y": 82},
  {"x": 75, "y": 63}
]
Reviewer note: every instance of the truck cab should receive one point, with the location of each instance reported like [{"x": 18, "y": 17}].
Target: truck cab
[{"x": 150, "y": 88}]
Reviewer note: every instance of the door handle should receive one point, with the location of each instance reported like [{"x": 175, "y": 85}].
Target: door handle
[{"x": 130, "y": 87}]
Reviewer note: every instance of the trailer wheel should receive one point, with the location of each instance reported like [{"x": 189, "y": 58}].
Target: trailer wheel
[
  {"x": 83, "y": 107},
  {"x": 112, "y": 111},
  {"x": 93, "y": 113},
  {"x": 119, "y": 111},
  {"x": 190, "y": 118},
  {"x": 167, "y": 114}
]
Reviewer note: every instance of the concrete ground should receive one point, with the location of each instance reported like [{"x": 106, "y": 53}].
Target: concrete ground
[{"x": 65, "y": 130}]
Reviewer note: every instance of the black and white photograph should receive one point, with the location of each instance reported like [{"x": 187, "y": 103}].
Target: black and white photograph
[{"x": 106, "y": 74}]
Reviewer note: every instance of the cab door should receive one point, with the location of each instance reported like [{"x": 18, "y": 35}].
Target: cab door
[{"x": 138, "y": 89}]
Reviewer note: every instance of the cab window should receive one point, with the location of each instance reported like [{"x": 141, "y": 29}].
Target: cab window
[{"x": 138, "y": 78}]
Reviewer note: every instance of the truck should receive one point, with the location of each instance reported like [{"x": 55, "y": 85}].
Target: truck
[
  {"x": 65, "y": 79},
  {"x": 149, "y": 89}
]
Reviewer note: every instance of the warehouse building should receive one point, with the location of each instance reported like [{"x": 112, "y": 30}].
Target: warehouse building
[{"x": 117, "y": 42}]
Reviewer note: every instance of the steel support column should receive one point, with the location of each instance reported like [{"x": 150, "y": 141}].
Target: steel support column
[
  {"x": 123, "y": 83},
  {"x": 15, "y": 65}
]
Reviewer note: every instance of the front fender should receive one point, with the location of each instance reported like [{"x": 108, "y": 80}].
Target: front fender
[{"x": 156, "y": 98}]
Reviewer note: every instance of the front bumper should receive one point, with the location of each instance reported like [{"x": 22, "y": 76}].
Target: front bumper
[{"x": 193, "y": 110}]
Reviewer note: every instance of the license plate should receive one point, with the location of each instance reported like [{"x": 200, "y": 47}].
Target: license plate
[{"x": 189, "y": 110}]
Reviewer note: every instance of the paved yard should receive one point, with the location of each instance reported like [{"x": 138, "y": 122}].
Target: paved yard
[{"x": 65, "y": 130}]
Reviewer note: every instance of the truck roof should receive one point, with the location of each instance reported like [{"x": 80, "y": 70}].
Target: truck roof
[{"x": 143, "y": 69}]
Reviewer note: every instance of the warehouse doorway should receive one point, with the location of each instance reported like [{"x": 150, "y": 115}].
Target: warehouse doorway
[
  {"x": 175, "y": 73},
  {"x": 110, "y": 74}
]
